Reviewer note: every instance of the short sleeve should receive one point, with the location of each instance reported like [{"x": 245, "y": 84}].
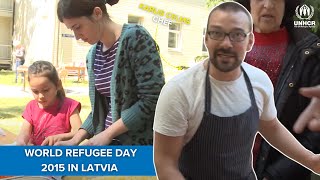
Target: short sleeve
[
  {"x": 171, "y": 111},
  {"x": 27, "y": 113},
  {"x": 72, "y": 105},
  {"x": 269, "y": 111}
]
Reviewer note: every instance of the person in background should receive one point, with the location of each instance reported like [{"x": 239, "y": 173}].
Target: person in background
[
  {"x": 50, "y": 117},
  {"x": 125, "y": 75},
  {"x": 207, "y": 117},
  {"x": 311, "y": 115},
  {"x": 19, "y": 54},
  {"x": 290, "y": 57}
]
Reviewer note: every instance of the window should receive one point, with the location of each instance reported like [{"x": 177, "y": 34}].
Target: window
[
  {"x": 135, "y": 20},
  {"x": 174, "y": 41}
]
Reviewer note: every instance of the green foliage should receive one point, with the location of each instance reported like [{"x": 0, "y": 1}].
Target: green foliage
[
  {"x": 316, "y": 16},
  {"x": 182, "y": 67},
  {"x": 10, "y": 113},
  {"x": 212, "y": 3},
  {"x": 8, "y": 77},
  {"x": 200, "y": 58},
  {"x": 314, "y": 3}
]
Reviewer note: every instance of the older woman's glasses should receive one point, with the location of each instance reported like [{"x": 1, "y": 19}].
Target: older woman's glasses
[{"x": 234, "y": 36}]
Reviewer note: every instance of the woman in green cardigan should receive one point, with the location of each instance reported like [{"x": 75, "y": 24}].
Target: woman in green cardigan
[{"x": 125, "y": 75}]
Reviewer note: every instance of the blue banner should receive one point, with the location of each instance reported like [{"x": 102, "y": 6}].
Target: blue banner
[{"x": 76, "y": 161}]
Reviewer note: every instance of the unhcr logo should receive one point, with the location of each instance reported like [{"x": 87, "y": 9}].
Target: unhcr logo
[{"x": 304, "y": 13}]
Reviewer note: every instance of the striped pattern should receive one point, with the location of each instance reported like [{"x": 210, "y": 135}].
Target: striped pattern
[
  {"x": 221, "y": 147},
  {"x": 103, "y": 66},
  {"x": 136, "y": 57}
]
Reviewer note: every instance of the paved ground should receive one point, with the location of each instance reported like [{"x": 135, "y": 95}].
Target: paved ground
[{"x": 17, "y": 91}]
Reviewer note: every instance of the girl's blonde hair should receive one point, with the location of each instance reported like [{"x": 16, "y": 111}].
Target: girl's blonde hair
[{"x": 46, "y": 69}]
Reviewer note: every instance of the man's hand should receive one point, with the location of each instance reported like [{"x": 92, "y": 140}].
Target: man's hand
[{"x": 310, "y": 117}]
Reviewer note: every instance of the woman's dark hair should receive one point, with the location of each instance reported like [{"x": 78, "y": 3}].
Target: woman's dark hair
[
  {"x": 77, "y": 8},
  {"x": 290, "y": 6},
  {"x": 46, "y": 69}
]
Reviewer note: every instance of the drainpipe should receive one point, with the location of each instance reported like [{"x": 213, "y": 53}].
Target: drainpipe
[
  {"x": 12, "y": 29},
  {"x": 58, "y": 45}
]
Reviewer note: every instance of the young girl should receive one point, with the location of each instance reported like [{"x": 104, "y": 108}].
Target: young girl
[{"x": 51, "y": 116}]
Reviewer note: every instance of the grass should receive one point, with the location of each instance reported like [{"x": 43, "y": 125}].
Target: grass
[
  {"x": 8, "y": 78},
  {"x": 10, "y": 113}
]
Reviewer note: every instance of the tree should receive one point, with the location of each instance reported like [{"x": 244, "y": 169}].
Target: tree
[
  {"x": 316, "y": 16},
  {"x": 211, "y": 3}
]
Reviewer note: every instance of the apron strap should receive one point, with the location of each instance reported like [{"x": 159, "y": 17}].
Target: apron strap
[
  {"x": 207, "y": 92},
  {"x": 250, "y": 89}
]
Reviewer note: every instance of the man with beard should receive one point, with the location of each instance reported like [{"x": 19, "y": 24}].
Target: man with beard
[{"x": 207, "y": 117}]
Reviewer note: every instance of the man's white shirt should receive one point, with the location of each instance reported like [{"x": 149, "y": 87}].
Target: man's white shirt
[{"x": 180, "y": 105}]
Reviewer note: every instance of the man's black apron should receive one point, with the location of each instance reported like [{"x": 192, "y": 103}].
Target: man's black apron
[{"x": 221, "y": 147}]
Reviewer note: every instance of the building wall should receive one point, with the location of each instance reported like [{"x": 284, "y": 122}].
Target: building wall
[
  {"x": 66, "y": 47},
  {"x": 6, "y": 20},
  {"x": 38, "y": 28},
  {"x": 34, "y": 28},
  {"x": 191, "y": 34},
  {"x": 71, "y": 51}
]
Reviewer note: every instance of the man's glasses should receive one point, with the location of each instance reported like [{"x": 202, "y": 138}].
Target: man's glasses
[{"x": 234, "y": 36}]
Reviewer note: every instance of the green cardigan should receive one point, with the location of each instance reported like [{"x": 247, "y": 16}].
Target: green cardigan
[{"x": 136, "y": 82}]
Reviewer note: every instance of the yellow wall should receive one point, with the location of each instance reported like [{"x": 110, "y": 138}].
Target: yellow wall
[{"x": 195, "y": 10}]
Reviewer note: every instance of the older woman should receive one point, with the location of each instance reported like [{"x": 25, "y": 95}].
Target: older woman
[{"x": 290, "y": 56}]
